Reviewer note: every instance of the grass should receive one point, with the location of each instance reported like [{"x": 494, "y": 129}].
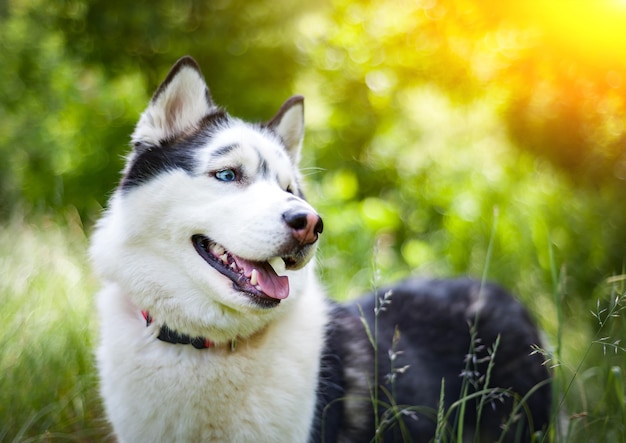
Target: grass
[
  {"x": 447, "y": 430},
  {"x": 604, "y": 422},
  {"x": 596, "y": 381},
  {"x": 48, "y": 387}
]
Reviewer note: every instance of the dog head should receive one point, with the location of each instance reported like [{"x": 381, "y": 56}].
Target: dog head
[{"x": 208, "y": 229}]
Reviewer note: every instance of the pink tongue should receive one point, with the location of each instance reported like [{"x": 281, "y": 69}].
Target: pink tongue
[{"x": 272, "y": 284}]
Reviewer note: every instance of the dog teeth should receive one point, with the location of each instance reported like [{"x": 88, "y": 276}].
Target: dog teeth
[
  {"x": 224, "y": 258},
  {"x": 254, "y": 277},
  {"x": 233, "y": 266},
  {"x": 278, "y": 264},
  {"x": 218, "y": 250}
]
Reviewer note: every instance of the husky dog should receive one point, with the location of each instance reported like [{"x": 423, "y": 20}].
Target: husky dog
[{"x": 213, "y": 326}]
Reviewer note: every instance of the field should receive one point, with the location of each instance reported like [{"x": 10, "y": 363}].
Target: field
[
  {"x": 48, "y": 385},
  {"x": 48, "y": 324}
]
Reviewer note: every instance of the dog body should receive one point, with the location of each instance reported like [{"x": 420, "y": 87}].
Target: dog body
[
  {"x": 213, "y": 324},
  {"x": 156, "y": 391}
]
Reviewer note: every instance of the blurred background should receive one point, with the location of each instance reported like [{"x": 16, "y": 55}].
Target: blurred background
[{"x": 444, "y": 138}]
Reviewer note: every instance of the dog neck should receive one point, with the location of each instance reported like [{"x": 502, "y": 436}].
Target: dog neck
[{"x": 170, "y": 336}]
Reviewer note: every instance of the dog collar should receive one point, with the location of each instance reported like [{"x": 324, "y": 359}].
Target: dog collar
[{"x": 170, "y": 336}]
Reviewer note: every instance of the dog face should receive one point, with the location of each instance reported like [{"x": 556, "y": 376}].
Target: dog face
[{"x": 208, "y": 229}]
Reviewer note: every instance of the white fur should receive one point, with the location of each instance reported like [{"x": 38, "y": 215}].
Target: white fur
[
  {"x": 264, "y": 390},
  {"x": 157, "y": 391},
  {"x": 291, "y": 128},
  {"x": 174, "y": 110}
]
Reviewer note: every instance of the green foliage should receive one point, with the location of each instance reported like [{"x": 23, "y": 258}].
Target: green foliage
[
  {"x": 59, "y": 120},
  {"x": 415, "y": 118},
  {"x": 439, "y": 219}
]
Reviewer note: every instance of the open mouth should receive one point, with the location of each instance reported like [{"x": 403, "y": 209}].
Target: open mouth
[{"x": 258, "y": 280}]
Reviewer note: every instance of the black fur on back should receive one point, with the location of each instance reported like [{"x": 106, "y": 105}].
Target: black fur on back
[{"x": 433, "y": 319}]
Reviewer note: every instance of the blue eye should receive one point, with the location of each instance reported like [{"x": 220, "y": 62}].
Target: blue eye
[{"x": 226, "y": 175}]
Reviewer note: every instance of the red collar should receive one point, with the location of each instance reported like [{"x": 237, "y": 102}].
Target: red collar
[{"x": 170, "y": 336}]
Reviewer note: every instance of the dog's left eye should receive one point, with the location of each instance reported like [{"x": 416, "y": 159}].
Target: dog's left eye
[{"x": 226, "y": 175}]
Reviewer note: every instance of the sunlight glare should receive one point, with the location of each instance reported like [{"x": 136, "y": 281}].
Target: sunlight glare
[{"x": 594, "y": 28}]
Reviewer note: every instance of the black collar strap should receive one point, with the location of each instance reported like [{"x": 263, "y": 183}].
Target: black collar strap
[{"x": 170, "y": 336}]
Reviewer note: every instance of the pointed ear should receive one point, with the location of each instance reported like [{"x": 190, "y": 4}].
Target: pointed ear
[
  {"x": 178, "y": 105},
  {"x": 288, "y": 123}
]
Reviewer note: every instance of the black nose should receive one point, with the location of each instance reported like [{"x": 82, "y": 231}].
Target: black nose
[{"x": 305, "y": 225}]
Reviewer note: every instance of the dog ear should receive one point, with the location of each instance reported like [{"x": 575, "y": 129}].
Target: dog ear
[
  {"x": 177, "y": 106},
  {"x": 288, "y": 123}
]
